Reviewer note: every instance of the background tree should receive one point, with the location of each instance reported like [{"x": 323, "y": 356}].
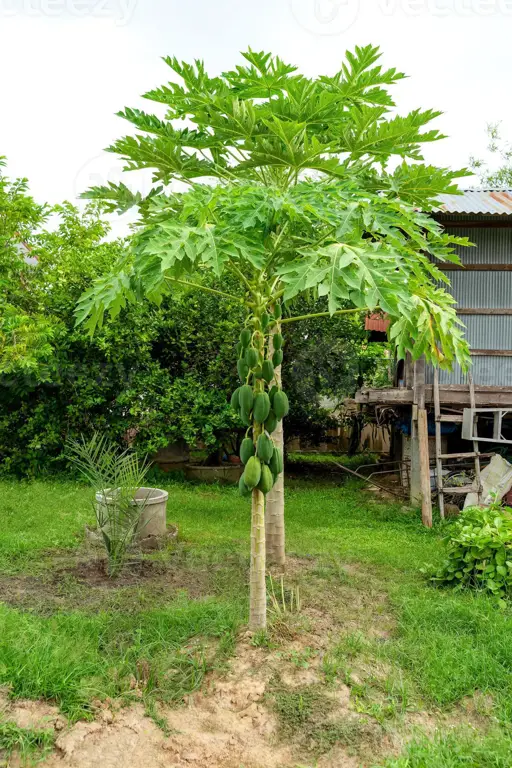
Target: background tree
[
  {"x": 500, "y": 151},
  {"x": 156, "y": 377},
  {"x": 25, "y": 335},
  {"x": 295, "y": 197},
  {"x": 327, "y": 359},
  {"x": 161, "y": 375}
]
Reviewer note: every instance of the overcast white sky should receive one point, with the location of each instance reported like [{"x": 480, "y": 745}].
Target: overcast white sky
[{"x": 68, "y": 65}]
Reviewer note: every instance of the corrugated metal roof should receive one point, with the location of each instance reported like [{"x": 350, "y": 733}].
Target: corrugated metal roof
[{"x": 495, "y": 201}]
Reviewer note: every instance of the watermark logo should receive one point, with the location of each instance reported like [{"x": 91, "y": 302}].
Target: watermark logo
[
  {"x": 325, "y": 17},
  {"x": 121, "y": 11},
  {"x": 332, "y": 17},
  {"x": 102, "y": 170}
]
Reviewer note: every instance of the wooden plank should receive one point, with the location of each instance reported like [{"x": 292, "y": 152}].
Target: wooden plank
[
  {"x": 451, "y": 417},
  {"x": 460, "y": 489},
  {"x": 447, "y": 266},
  {"x": 450, "y": 395},
  {"x": 426, "y": 500},
  {"x": 497, "y": 221},
  {"x": 470, "y": 455},
  {"x": 483, "y": 311},
  {"x": 491, "y": 352},
  {"x": 389, "y": 395}
]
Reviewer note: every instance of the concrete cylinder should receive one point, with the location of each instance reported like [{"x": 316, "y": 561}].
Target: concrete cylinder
[{"x": 153, "y": 519}]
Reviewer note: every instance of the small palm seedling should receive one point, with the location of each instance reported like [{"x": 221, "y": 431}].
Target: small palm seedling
[{"x": 115, "y": 476}]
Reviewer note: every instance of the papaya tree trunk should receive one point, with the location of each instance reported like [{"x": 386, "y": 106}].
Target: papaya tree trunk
[
  {"x": 274, "y": 513},
  {"x": 258, "y": 587}
]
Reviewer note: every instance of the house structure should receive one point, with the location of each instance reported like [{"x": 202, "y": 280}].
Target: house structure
[{"x": 482, "y": 288}]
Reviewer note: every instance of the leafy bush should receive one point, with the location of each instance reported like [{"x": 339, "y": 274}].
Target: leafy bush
[{"x": 479, "y": 548}]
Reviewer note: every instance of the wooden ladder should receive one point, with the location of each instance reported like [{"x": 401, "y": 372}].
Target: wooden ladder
[{"x": 476, "y": 487}]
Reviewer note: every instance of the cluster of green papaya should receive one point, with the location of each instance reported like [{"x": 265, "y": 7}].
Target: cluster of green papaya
[
  {"x": 263, "y": 463},
  {"x": 260, "y": 403}
]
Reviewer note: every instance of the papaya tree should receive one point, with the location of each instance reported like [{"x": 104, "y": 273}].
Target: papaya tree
[{"x": 293, "y": 186}]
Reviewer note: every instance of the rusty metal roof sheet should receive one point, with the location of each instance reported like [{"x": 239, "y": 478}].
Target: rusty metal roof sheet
[
  {"x": 376, "y": 322},
  {"x": 496, "y": 201}
]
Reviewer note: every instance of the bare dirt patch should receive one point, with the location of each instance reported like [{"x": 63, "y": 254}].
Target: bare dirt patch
[
  {"x": 306, "y": 694},
  {"x": 79, "y": 581}
]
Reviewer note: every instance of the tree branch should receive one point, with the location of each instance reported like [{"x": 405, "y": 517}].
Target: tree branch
[
  {"x": 204, "y": 288},
  {"x": 324, "y": 314}
]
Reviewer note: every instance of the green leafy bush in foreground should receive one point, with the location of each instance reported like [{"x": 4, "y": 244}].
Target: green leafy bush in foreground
[{"x": 479, "y": 548}]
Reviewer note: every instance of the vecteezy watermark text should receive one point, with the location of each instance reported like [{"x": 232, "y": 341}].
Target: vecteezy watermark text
[
  {"x": 332, "y": 17},
  {"x": 119, "y": 10}
]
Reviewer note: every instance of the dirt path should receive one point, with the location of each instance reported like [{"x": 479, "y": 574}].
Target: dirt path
[{"x": 227, "y": 726}]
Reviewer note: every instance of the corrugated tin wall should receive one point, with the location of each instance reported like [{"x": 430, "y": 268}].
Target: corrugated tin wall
[
  {"x": 484, "y": 290},
  {"x": 493, "y": 245}
]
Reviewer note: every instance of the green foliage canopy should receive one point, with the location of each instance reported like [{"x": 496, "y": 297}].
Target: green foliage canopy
[{"x": 290, "y": 185}]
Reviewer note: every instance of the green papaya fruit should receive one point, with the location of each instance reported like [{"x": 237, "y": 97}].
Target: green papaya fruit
[
  {"x": 266, "y": 481},
  {"x": 261, "y": 408},
  {"x": 258, "y": 373},
  {"x": 252, "y": 357},
  {"x": 243, "y": 369},
  {"x": 277, "y": 357},
  {"x": 271, "y": 422},
  {"x": 274, "y": 462},
  {"x": 245, "y": 416},
  {"x": 280, "y": 404},
  {"x": 277, "y": 341},
  {"x": 252, "y": 472},
  {"x": 235, "y": 399},
  {"x": 238, "y": 348},
  {"x": 264, "y": 448},
  {"x": 245, "y": 397},
  {"x": 267, "y": 370},
  {"x": 242, "y": 488},
  {"x": 246, "y": 449},
  {"x": 245, "y": 337},
  {"x": 272, "y": 392},
  {"x": 265, "y": 320},
  {"x": 278, "y": 311}
]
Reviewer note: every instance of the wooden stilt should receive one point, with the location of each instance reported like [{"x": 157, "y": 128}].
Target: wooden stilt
[
  {"x": 476, "y": 447},
  {"x": 426, "y": 496},
  {"x": 419, "y": 443},
  {"x": 439, "y": 449}
]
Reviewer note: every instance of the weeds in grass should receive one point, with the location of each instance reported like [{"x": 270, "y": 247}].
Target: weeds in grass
[
  {"x": 262, "y": 639},
  {"x": 305, "y": 716},
  {"x": 283, "y": 601},
  {"x": 73, "y": 659},
  {"x": 29, "y": 743},
  {"x": 457, "y": 749}
]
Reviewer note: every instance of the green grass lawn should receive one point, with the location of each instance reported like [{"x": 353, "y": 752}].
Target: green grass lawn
[{"x": 59, "y": 644}]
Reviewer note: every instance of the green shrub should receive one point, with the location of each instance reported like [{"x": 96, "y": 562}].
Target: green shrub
[{"x": 479, "y": 548}]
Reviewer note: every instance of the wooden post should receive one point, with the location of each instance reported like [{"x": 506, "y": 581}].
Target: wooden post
[
  {"x": 426, "y": 497},
  {"x": 439, "y": 446},
  {"x": 413, "y": 372},
  {"x": 420, "y": 459}
]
